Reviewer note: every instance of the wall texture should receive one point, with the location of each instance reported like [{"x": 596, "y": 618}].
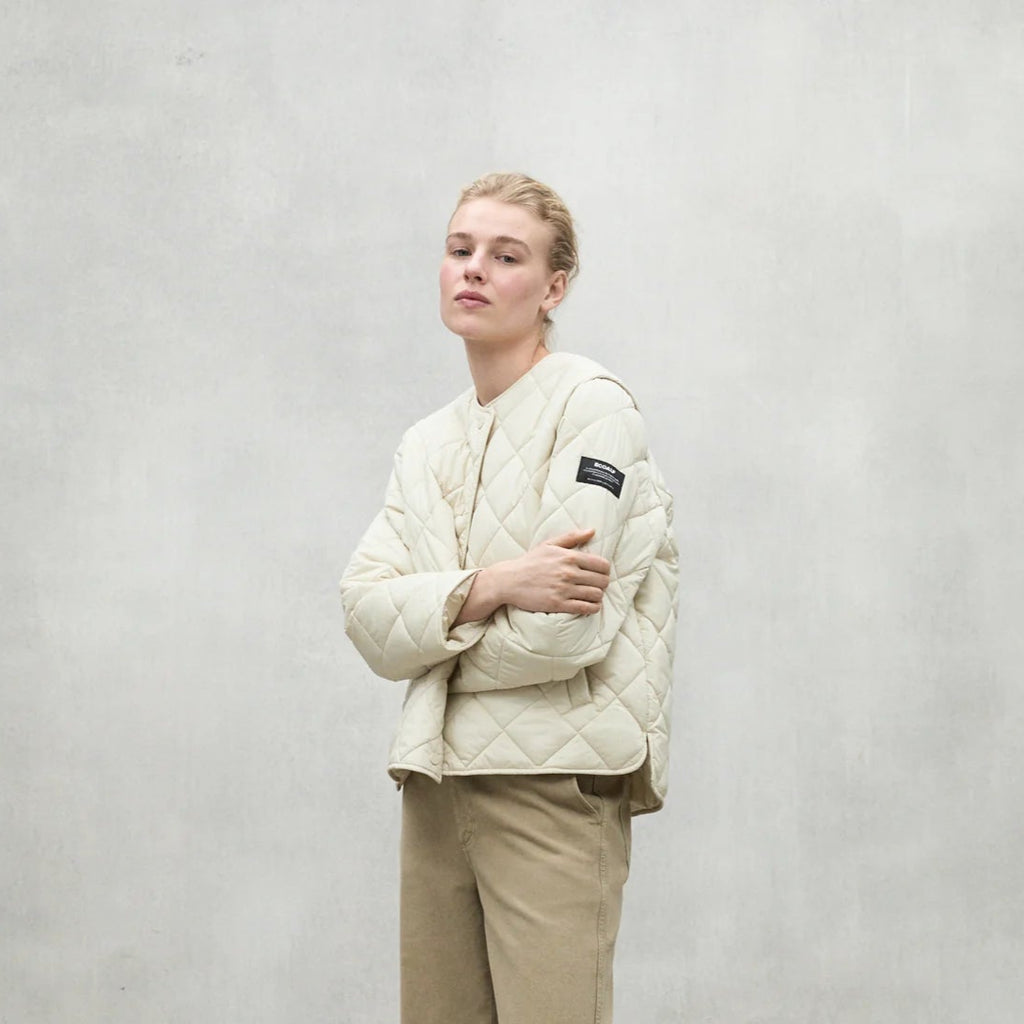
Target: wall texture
[{"x": 803, "y": 245}]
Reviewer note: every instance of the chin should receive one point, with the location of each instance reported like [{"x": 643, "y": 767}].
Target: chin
[{"x": 466, "y": 327}]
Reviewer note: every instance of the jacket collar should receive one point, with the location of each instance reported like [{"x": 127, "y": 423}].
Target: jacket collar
[{"x": 539, "y": 377}]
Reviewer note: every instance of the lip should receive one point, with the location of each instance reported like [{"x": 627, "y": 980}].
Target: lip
[{"x": 471, "y": 300}]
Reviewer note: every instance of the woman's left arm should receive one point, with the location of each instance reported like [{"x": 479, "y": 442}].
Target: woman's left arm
[{"x": 599, "y": 477}]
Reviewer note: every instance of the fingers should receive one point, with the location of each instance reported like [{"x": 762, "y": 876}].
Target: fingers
[
  {"x": 583, "y": 578},
  {"x": 582, "y": 608},
  {"x": 584, "y": 559},
  {"x": 573, "y": 539},
  {"x": 577, "y": 606},
  {"x": 580, "y": 600},
  {"x": 593, "y": 563},
  {"x": 557, "y": 577}
]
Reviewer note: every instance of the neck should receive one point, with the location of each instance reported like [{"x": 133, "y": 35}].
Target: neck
[{"x": 495, "y": 369}]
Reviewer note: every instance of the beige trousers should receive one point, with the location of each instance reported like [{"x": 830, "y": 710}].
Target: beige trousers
[{"x": 511, "y": 897}]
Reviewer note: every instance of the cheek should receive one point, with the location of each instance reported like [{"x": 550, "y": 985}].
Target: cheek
[
  {"x": 525, "y": 291},
  {"x": 449, "y": 278}
]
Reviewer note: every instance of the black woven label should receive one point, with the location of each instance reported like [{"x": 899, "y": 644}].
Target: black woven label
[{"x": 604, "y": 474}]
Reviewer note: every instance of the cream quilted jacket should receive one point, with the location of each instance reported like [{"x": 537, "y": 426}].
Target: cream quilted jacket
[{"x": 523, "y": 692}]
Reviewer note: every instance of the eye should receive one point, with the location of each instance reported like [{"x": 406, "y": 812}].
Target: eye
[
  {"x": 507, "y": 259},
  {"x": 459, "y": 250}
]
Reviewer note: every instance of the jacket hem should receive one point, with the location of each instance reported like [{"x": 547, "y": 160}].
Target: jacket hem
[
  {"x": 628, "y": 769},
  {"x": 400, "y": 773}
]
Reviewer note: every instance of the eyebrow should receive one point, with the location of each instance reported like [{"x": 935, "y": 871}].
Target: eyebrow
[{"x": 500, "y": 239}]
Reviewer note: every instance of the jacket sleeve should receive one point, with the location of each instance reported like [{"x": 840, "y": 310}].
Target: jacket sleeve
[
  {"x": 398, "y": 619},
  {"x": 600, "y": 425}
]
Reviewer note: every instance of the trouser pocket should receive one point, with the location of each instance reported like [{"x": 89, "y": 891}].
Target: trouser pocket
[
  {"x": 604, "y": 796},
  {"x": 586, "y": 791}
]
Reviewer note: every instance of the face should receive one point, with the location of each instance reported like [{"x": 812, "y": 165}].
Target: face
[{"x": 496, "y": 285}]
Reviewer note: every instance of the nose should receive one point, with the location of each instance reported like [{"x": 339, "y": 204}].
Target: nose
[{"x": 474, "y": 267}]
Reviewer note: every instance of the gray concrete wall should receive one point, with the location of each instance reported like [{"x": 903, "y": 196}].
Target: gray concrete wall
[{"x": 803, "y": 245}]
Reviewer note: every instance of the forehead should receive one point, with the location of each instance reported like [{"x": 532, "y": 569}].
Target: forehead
[{"x": 488, "y": 218}]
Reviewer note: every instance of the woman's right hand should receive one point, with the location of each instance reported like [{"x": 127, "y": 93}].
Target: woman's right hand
[{"x": 554, "y": 576}]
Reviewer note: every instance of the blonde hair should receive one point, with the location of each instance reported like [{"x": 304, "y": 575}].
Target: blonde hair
[{"x": 544, "y": 203}]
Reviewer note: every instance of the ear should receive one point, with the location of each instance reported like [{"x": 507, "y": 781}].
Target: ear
[{"x": 556, "y": 291}]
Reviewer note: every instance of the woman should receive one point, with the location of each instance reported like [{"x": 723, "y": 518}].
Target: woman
[{"x": 522, "y": 575}]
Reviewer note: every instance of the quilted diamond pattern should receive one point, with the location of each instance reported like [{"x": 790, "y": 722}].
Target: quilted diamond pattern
[{"x": 523, "y": 692}]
